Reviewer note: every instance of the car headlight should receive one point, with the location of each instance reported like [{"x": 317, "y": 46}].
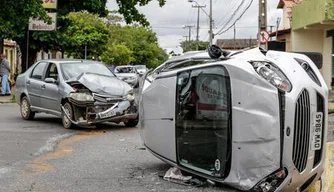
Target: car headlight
[
  {"x": 82, "y": 96},
  {"x": 130, "y": 96},
  {"x": 272, "y": 182},
  {"x": 131, "y": 78},
  {"x": 272, "y": 74}
]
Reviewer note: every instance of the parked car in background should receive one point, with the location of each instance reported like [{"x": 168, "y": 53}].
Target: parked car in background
[
  {"x": 252, "y": 119},
  {"x": 128, "y": 73},
  {"x": 141, "y": 69},
  {"x": 81, "y": 92}
]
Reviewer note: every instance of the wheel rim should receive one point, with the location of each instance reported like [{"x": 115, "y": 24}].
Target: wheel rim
[
  {"x": 24, "y": 108},
  {"x": 68, "y": 112}
]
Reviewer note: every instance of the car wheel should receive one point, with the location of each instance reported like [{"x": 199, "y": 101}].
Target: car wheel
[
  {"x": 25, "y": 110},
  {"x": 132, "y": 122},
  {"x": 67, "y": 122}
]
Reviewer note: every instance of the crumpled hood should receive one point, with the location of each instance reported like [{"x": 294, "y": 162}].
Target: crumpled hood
[{"x": 104, "y": 85}]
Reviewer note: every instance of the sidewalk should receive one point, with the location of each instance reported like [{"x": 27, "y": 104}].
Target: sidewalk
[{"x": 7, "y": 99}]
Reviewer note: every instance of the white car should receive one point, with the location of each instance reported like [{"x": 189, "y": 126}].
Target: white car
[
  {"x": 254, "y": 120},
  {"x": 128, "y": 73},
  {"x": 141, "y": 69}
]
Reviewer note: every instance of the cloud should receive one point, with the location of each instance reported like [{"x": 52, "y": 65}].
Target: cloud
[{"x": 168, "y": 21}]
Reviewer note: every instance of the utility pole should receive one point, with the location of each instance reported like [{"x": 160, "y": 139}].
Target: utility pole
[
  {"x": 234, "y": 36},
  {"x": 262, "y": 17},
  {"x": 271, "y": 30},
  {"x": 189, "y": 28},
  {"x": 211, "y": 23},
  {"x": 186, "y": 43},
  {"x": 197, "y": 31},
  {"x": 277, "y": 25}
]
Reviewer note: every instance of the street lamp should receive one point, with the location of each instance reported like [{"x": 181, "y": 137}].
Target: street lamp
[{"x": 210, "y": 18}]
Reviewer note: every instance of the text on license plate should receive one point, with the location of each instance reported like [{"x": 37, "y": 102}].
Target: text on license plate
[
  {"x": 107, "y": 114},
  {"x": 317, "y": 130}
]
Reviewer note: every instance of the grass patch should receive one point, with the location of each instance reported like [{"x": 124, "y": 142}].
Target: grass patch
[{"x": 13, "y": 99}]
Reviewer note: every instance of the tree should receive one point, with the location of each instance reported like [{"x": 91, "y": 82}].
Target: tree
[
  {"x": 85, "y": 29},
  {"x": 192, "y": 45},
  {"x": 117, "y": 54},
  {"x": 14, "y": 17},
  {"x": 53, "y": 40},
  {"x": 131, "y": 14},
  {"x": 142, "y": 42}
]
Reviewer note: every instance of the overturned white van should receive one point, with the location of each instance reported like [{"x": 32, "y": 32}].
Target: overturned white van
[{"x": 254, "y": 119}]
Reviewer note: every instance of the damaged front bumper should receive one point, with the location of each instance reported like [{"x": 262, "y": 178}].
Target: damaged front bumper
[{"x": 121, "y": 111}]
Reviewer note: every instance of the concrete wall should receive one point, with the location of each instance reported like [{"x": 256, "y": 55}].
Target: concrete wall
[
  {"x": 326, "y": 70},
  {"x": 286, "y": 19},
  {"x": 315, "y": 40},
  {"x": 11, "y": 53}
]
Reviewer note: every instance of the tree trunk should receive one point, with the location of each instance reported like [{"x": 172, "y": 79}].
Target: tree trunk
[{"x": 1, "y": 44}]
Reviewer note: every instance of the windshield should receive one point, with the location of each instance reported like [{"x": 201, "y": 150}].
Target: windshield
[
  {"x": 125, "y": 70},
  {"x": 72, "y": 70},
  {"x": 140, "y": 66},
  {"x": 203, "y": 120}
]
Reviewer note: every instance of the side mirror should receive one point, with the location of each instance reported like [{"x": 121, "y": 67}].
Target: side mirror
[
  {"x": 315, "y": 57},
  {"x": 50, "y": 80}
]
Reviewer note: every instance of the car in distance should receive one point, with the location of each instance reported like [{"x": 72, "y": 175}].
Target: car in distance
[
  {"x": 252, "y": 119},
  {"x": 81, "y": 92},
  {"x": 128, "y": 73},
  {"x": 141, "y": 69}
]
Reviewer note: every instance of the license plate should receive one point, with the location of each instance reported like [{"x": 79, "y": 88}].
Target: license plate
[
  {"x": 107, "y": 114},
  {"x": 317, "y": 130}
]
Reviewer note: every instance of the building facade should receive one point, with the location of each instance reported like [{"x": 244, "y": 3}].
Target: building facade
[
  {"x": 308, "y": 26},
  {"x": 236, "y": 44},
  {"x": 12, "y": 50}
]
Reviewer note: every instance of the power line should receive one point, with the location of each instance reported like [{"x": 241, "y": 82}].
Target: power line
[
  {"x": 221, "y": 32},
  {"x": 232, "y": 16},
  {"x": 227, "y": 10}
]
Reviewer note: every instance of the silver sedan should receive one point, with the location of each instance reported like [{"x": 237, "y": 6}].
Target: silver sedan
[{"x": 83, "y": 93}]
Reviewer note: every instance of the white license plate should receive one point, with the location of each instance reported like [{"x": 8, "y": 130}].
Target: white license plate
[
  {"x": 317, "y": 130},
  {"x": 108, "y": 114}
]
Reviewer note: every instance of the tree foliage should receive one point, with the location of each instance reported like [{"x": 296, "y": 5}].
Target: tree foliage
[
  {"x": 194, "y": 45},
  {"x": 14, "y": 17},
  {"x": 131, "y": 14},
  {"x": 117, "y": 54},
  {"x": 142, "y": 42},
  {"x": 54, "y": 40},
  {"x": 85, "y": 29}
]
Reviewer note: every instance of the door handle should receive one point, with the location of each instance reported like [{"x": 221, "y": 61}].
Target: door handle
[
  {"x": 28, "y": 82},
  {"x": 43, "y": 86}
]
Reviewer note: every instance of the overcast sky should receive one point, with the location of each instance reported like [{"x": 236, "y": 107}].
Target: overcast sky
[{"x": 168, "y": 21}]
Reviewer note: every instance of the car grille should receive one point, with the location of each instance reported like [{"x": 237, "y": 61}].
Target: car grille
[
  {"x": 301, "y": 131},
  {"x": 320, "y": 108},
  {"x": 107, "y": 99}
]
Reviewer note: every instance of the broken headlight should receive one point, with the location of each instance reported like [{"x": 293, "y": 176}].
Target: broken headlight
[
  {"x": 82, "y": 96},
  {"x": 130, "y": 96},
  {"x": 272, "y": 182},
  {"x": 272, "y": 74}
]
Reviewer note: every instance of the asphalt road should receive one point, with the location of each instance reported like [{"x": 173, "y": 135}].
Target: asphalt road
[{"x": 42, "y": 156}]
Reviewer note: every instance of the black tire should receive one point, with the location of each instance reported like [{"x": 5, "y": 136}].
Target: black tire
[
  {"x": 132, "y": 122},
  {"x": 67, "y": 124},
  {"x": 25, "y": 110}
]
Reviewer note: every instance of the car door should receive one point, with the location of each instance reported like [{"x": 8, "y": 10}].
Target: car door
[
  {"x": 34, "y": 84},
  {"x": 50, "y": 90}
]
